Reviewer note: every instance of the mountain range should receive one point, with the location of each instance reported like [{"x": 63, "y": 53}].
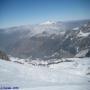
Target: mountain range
[{"x": 47, "y": 40}]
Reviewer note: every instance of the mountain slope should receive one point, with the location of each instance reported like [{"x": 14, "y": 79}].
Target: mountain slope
[{"x": 43, "y": 41}]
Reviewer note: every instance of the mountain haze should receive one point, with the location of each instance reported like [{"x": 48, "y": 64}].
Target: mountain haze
[{"x": 46, "y": 40}]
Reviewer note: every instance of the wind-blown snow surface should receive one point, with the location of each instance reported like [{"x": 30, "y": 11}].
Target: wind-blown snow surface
[{"x": 61, "y": 76}]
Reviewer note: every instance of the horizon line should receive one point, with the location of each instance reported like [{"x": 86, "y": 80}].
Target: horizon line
[{"x": 42, "y": 22}]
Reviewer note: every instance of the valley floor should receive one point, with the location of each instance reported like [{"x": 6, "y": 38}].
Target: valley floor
[{"x": 73, "y": 75}]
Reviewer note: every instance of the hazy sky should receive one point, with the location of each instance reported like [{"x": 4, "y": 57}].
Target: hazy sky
[{"x": 19, "y": 12}]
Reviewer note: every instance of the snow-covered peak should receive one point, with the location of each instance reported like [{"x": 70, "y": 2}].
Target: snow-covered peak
[{"x": 48, "y": 23}]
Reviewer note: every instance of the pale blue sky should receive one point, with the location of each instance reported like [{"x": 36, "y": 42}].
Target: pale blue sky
[{"x": 20, "y": 12}]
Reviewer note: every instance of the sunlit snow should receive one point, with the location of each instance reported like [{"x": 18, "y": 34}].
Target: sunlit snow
[{"x": 62, "y": 76}]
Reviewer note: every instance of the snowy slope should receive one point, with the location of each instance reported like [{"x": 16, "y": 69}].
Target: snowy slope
[
  {"x": 82, "y": 34},
  {"x": 62, "y": 76},
  {"x": 82, "y": 53}
]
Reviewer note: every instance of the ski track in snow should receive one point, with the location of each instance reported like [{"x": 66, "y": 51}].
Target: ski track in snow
[{"x": 62, "y": 76}]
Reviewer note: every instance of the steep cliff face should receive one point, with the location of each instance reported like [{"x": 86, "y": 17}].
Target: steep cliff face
[{"x": 4, "y": 56}]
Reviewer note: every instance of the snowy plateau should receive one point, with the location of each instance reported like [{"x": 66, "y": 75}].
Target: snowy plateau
[{"x": 70, "y": 74}]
